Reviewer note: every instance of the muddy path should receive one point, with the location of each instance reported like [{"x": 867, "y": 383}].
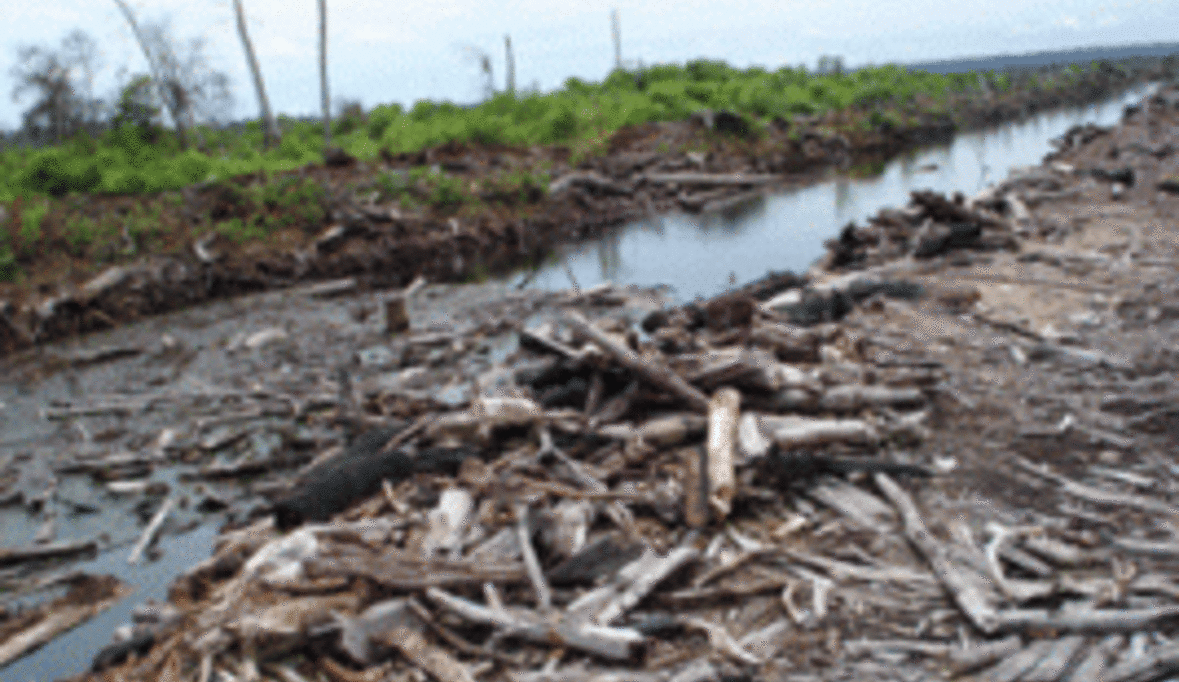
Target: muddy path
[{"x": 354, "y": 230}]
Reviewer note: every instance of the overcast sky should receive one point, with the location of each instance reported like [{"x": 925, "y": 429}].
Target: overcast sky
[{"x": 382, "y": 51}]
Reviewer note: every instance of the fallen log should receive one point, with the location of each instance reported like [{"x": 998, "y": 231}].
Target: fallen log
[
  {"x": 11, "y": 557},
  {"x": 964, "y": 592},
  {"x": 710, "y": 178},
  {"x": 659, "y": 376}
]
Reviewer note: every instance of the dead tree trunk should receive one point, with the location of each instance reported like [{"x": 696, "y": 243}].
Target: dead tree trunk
[
  {"x": 616, "y": 29},
  {"x": 177, "y": 117},
  {"x": 270, "y": 132},
  {"x": 323, "y": 81},
  {"x": 510, "y": 64}
]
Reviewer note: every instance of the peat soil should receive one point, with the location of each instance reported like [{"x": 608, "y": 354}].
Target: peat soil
[{"x": 705, "y": 163}]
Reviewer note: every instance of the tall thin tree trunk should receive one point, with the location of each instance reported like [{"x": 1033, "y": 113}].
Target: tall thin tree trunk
[
  {"x": 270, "y": 132},
  {"x": 177, "y": 117},
  {"x": 323, "y": 81},
  {"x": 616, "y": 29},
  {"x": 511, "y": 64}
]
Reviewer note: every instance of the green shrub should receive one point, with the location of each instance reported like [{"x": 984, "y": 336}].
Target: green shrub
[
  {"x": 9, "y": 270},
  {"x": 80, "y": 234}
]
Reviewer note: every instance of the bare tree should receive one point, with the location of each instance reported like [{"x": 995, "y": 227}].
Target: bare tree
[
  {"x": 483, "y": 60},
  {"x": 152, "y": 63},
  {"x": 270, "y": 133},
  {"x": 323, "y": 80},
  {"x": 616, "y": 31},
  {"x": 63, "y": 80},
  {"x": 190, "y": 89},
  {"x": 510, "y": 64}
]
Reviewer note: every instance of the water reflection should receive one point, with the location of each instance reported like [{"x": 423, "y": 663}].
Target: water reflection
[{"x": 695, "y": 254}]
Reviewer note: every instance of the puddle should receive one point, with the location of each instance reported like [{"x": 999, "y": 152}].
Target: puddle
[{"x": 703, "y": 255}]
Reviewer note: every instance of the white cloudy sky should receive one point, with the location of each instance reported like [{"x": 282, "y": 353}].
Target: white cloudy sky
[{"x": 404, "y": 50}]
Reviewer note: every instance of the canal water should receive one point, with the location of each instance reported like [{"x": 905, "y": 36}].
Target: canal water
[
  {"x": 701, "y": 255},
  {"x": 698, "y": 255}
]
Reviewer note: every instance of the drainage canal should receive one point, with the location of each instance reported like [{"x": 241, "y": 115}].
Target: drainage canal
[{"x": 701, "y": 255}]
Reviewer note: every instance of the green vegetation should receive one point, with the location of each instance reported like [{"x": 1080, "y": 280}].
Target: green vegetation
[{"x": 136, "y": 158}]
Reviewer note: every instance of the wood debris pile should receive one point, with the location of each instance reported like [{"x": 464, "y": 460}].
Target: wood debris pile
[{"x": 727, "y": 494}]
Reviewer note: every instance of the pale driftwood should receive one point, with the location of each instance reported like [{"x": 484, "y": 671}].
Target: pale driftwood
[
  {"x": 1092, "y": 667},
  {"x": 659, "y": 376},
  {"x": 1087, "y": 620},
  {"x": 632, "y": 582},
  {"x": 700, "y": 670},
  {"x": 752, "y": 368},
  {"x": 711, "y": 178},
  {"x": 152, "y": 531},
  {"x": 845, "y": 570},
  {"x": 1097, "y": 495},
  {"x": 1032, "y": 197},
  {"x": 1026, "y": 561},
  {"x": 1156, "y": 664},
  {"x": 542, "y": 339},
  {"x": 400, "y": 570},
  {"x": 724, "y": 411},
  {"x": 58, "y": 619},
  {"x": 856, "y": 398},
  {"x": 335, "y": 287},
  {"x": 1016, "y": 665},
  {"x": 1060, "y": 553},
  {"x": 544, "y": 596},
  {"x": 1056, "y": 662},
  {"x": 448, "y": 522},
  {"x": 751, "y": 442},
  {"x": 790, "y": 344},
  {"x": 695, "y": 488},
  {"x": 435, "y": 661},
  {"x": 579, "y": 673},
  {"x": 589, "y": 179},
  {"x": 861, "y": 507},
  {"x": 671, "y": 430},
  {"x": 1153, "y": 547},
  {"x": 857, "y": 647},
  {"x": 965, "y": 593},
  {"x": 976, "y": 656},
  {"x": 571, "y": 631},
  {"x": 791, "y": 432},
  {"x": 11, "y": 557},
  {"x": 721, "y": 640}
]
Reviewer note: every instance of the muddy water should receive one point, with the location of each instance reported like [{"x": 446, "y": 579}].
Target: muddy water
[
  {"x": 699, "y": 255},
  {"x": 194, "y": 365}
]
